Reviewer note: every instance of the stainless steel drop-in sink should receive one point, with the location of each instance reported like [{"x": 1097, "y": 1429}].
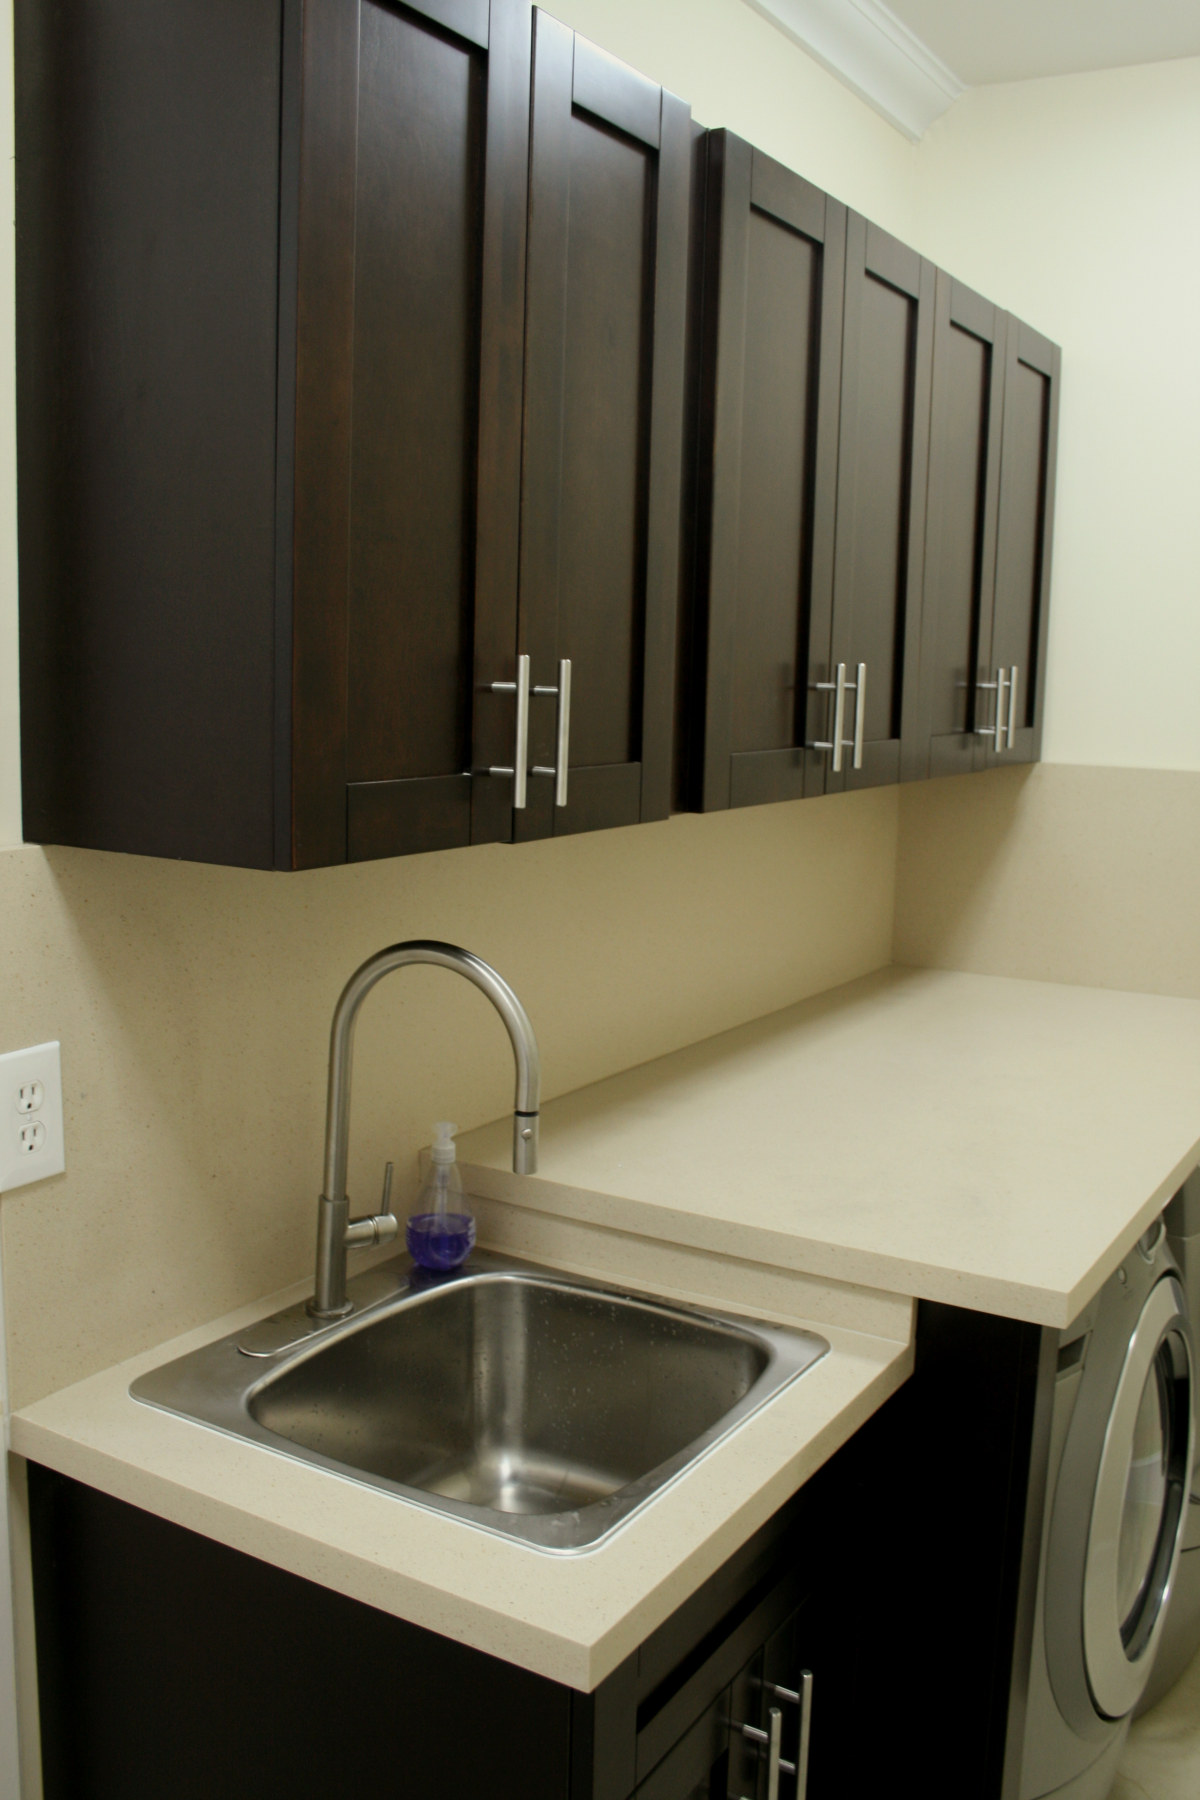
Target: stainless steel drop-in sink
[{"x": 541, "y": 1406}]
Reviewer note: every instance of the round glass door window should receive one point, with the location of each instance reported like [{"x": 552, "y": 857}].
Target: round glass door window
[
  {"x": 1146, "y": 1494},
  {"x": 1137, "y": 1510}
]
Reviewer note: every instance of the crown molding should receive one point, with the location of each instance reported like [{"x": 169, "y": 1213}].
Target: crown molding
[{"x": 874, "y": 53}]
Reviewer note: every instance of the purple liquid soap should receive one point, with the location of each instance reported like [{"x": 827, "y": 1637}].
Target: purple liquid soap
[{"x": 440, "y": 1241}]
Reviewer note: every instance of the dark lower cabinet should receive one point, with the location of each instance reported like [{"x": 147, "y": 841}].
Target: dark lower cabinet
[
  {"x": 881, "y": 1604},
  {"x": 173, "y": 1668}
]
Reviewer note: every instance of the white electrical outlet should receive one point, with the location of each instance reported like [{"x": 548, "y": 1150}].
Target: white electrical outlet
[{"x": 31, "y": 1116}]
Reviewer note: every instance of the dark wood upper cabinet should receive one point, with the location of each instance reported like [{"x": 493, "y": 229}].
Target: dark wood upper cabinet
[
  {"x": 610, "y": 175},
  {"x": 964, "y": 483},
  {"x": 815, "y": 434},
  {"x": 386, "y": 369},
  {"x": 302, "y": 478},
  {"x": 767, "y": 483},
  {"x": 411, "y": 148},
  {"x": 1028, "y": 449},
  {"x": 990, "y": 511},
  {"x": 270, "y": 322}
]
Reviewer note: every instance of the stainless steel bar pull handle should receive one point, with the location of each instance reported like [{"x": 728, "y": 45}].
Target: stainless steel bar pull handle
[
  {"x": 839, "y": 688},
  {"x": 1003, "y": 717},
  {"x": 563, "y": 733},
  {"x": 771, "y": 1741},
  {"x": 860, "y": 703},
  {"x": 775, "y": 1719},
  {"x": 836, "y": 687},
  {"x": 1012, "y": 704},
  {"x": 519, "y": 771},
  {"x": 806, "y": 1696}
]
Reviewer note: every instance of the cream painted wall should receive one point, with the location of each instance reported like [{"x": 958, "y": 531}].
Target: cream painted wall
[
  {"x": 1074, "y": 202},
  {"x": 1054, "y": 873}
]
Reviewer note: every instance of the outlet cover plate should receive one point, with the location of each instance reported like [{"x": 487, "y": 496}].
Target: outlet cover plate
[{"x": 30, "y": 1070}]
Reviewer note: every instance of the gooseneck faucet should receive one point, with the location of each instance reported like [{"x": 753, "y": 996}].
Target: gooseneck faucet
[{"x": 336, "y": 1231}]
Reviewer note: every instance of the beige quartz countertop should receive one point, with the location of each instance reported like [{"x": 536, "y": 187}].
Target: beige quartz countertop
[
  {"x": 572, "y": 1617},
  {"x": 993, "y": 1143}
]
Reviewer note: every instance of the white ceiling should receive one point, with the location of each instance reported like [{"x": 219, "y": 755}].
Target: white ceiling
[{"x": 1013, "y": 40}]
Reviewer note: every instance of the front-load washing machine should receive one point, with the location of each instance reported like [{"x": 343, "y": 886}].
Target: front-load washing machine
[
  {"x": 1181, "y": 1633},
  {"x": 1121, "y": 1446}
]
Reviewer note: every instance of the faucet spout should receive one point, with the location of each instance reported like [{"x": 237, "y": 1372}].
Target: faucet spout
[{"x": 335, "y": 1230}]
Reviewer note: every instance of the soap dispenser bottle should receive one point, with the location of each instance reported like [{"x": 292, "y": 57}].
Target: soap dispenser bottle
[{"x": 441, "y": 1233}]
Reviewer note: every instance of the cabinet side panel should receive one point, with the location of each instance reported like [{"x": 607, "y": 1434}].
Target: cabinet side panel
[{"x": 147, "y": 220}]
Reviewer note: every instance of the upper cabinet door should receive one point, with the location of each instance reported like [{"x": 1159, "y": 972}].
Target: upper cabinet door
[
  {"x": 1026, "y": 513},
  {"x": 410, "y": 144},
  {"x": 958, "y": 686},
  {"x": 774, "y": 269},
  {"x": 606, "y": 299},
  {"x": 887, "y": 359}
]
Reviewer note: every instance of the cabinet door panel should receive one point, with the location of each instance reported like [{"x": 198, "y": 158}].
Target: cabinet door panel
[
  {"x": 601, "y": 596},
  {"x": 1026, "y": 510},
  {"x": 882, "y": 469},
  {"x": 768, "y": 468},
  {"x": 414, "y": 127},
  {"x": 964, "y": 468},
  {"x": 419, "y": 177},
  {"x": 783, "y": 298},
  {"x": 603, "y": 430}
]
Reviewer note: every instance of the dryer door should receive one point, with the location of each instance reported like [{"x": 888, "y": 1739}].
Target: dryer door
[{"x": 1138, "y": 1504}]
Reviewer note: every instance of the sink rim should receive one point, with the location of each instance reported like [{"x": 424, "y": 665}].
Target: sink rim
[{"x": 215, "y": 1386}]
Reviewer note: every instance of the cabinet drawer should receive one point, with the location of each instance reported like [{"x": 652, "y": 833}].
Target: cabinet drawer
[
  {"x": 697, "y": 1768},
  {"x": 716, "y": 1661}
]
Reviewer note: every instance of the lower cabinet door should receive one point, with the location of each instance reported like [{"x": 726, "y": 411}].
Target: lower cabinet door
[{"x": 770, "y": 1718}]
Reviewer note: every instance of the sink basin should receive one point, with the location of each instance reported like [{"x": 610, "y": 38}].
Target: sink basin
[{"x": 541, "y": 1406}]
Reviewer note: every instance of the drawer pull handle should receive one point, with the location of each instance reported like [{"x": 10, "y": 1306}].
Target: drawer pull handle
[
  {"x": 805, "y": 1703},
  {"x": 770, "y": 1740},
  {"x": 776, "y": 1765}
]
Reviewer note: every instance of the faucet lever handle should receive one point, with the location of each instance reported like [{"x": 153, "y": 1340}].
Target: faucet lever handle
[{"x": 377, "y": 1228}]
